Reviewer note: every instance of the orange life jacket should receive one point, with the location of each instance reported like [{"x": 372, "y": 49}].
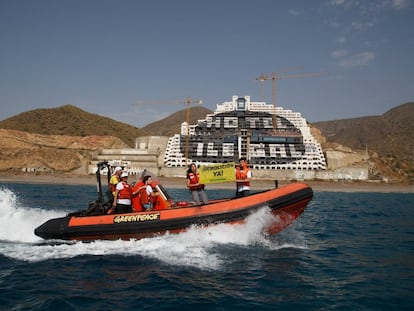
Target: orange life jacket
[
  {"x": 194, "y": 181},
  {"x": 144, "y": 197},
  {"x": 136, "y": 204},
  {"x": 126, "y": 192},
  {"x": 136, "y": 199},
  {"x": 242, "y": 174}
]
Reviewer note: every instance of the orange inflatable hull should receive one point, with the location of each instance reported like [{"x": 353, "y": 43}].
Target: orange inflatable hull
[{"x": 287, "y": 203}]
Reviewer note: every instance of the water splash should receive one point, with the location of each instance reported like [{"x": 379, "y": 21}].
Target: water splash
[{"x": 18, "y": 222}]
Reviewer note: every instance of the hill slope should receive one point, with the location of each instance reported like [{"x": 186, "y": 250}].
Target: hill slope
[
  {"x": 50, "y": 153},
  {"x": 172, "y": 124},
  {"x": 390, "y": 136},
  {"x": 70, "y": 120}
]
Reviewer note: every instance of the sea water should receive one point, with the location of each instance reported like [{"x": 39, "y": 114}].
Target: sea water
[{"x": 347, "y": 251}]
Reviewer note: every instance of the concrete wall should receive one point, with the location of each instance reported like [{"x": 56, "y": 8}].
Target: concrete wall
[
  {"x": 344, "y": 173},
  {"x": 342, "y": 158}
]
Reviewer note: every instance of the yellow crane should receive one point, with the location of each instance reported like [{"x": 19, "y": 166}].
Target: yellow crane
[
  {"x": 188, "y": 102},
  {"x": 275, "y": 76}
]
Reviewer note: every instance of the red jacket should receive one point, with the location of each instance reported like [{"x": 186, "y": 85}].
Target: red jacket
[{"x": 194, "y": 178}]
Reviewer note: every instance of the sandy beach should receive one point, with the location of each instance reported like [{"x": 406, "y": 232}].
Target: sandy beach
[{"x": 175, "y": 182}]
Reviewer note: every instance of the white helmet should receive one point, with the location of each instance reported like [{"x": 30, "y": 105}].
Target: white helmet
[{"x": 118, "y": 168}]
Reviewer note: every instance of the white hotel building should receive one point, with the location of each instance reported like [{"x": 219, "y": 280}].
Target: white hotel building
[{"x": 270, "y": 138}]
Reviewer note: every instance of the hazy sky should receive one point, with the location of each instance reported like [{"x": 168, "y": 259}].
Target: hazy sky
[{"x": 104, "y": 56}]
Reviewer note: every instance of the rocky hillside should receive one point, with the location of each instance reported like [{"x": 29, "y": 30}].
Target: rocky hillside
[
  {"x": 388, "y": 138},
  {"x": 49, "y": 153},
  {"x": 70, "y": 120}
]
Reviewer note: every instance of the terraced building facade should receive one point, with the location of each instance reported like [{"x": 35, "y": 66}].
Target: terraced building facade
[{"x": 269, "y": 137}]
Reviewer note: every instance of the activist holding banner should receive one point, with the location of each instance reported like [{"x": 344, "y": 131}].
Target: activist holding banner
[
  {"x": 196, "y": 188},
  {"x": 243, "y": 175}
]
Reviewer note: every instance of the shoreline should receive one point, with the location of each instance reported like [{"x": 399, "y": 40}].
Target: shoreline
[{"x": 180, "y": 183}]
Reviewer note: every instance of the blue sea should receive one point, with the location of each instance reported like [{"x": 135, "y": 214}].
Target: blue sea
[{"x": 347, "y": 251}]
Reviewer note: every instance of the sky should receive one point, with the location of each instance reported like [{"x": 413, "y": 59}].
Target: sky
[{"x": 139, "y": 61}]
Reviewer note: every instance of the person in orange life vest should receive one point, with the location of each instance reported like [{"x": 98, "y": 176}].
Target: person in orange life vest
[
  {"x": 136, "y": 200},
  {"x": 123, "y": 196},
  {"x": 139, "y": 185},
  {"x": 197, "y": 190},
  {"x": 243, "y": 176},
  {"x": 146, "y": 194},
  {"x": 114, "y": 180}
]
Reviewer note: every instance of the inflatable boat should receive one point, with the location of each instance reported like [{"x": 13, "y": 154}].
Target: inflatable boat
[{"x": 285, "y": 204}]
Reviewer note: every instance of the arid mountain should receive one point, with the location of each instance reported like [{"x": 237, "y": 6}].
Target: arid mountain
[
  {"x": 389, "y": 138},
  {"x": 64, "y": 139},
  {"x": 172, "y": 124},
  {"x": 70, "y": 120}
]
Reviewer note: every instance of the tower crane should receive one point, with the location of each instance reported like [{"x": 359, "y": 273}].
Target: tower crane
[
  {"x": 275, "y": 76},
  {"x": 264, "y": 77},
  {"x": 188, "y": 102}
]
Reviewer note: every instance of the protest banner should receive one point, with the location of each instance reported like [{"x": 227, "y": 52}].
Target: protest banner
[{"x": 216, "y": 173}]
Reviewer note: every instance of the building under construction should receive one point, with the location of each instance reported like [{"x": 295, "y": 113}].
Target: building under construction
[{"x": 268, "y": 137}]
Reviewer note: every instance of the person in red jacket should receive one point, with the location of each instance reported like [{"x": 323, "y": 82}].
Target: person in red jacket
[
  {"x": 123, "y": 196},
  {"x": 243, "y": 176},
  {"x": 136, "y": 201},
  {"x": 197, "y": 190},
  {"x": 146, "y": 194}
]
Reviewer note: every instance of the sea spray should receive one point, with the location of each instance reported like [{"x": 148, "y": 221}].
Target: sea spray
[{"x": 18, "y": 222}]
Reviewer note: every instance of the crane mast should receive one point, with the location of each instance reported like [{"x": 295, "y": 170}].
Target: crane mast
[
  {"x": 188, "y": 102},
  {"x": 275, "y": 76}
]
